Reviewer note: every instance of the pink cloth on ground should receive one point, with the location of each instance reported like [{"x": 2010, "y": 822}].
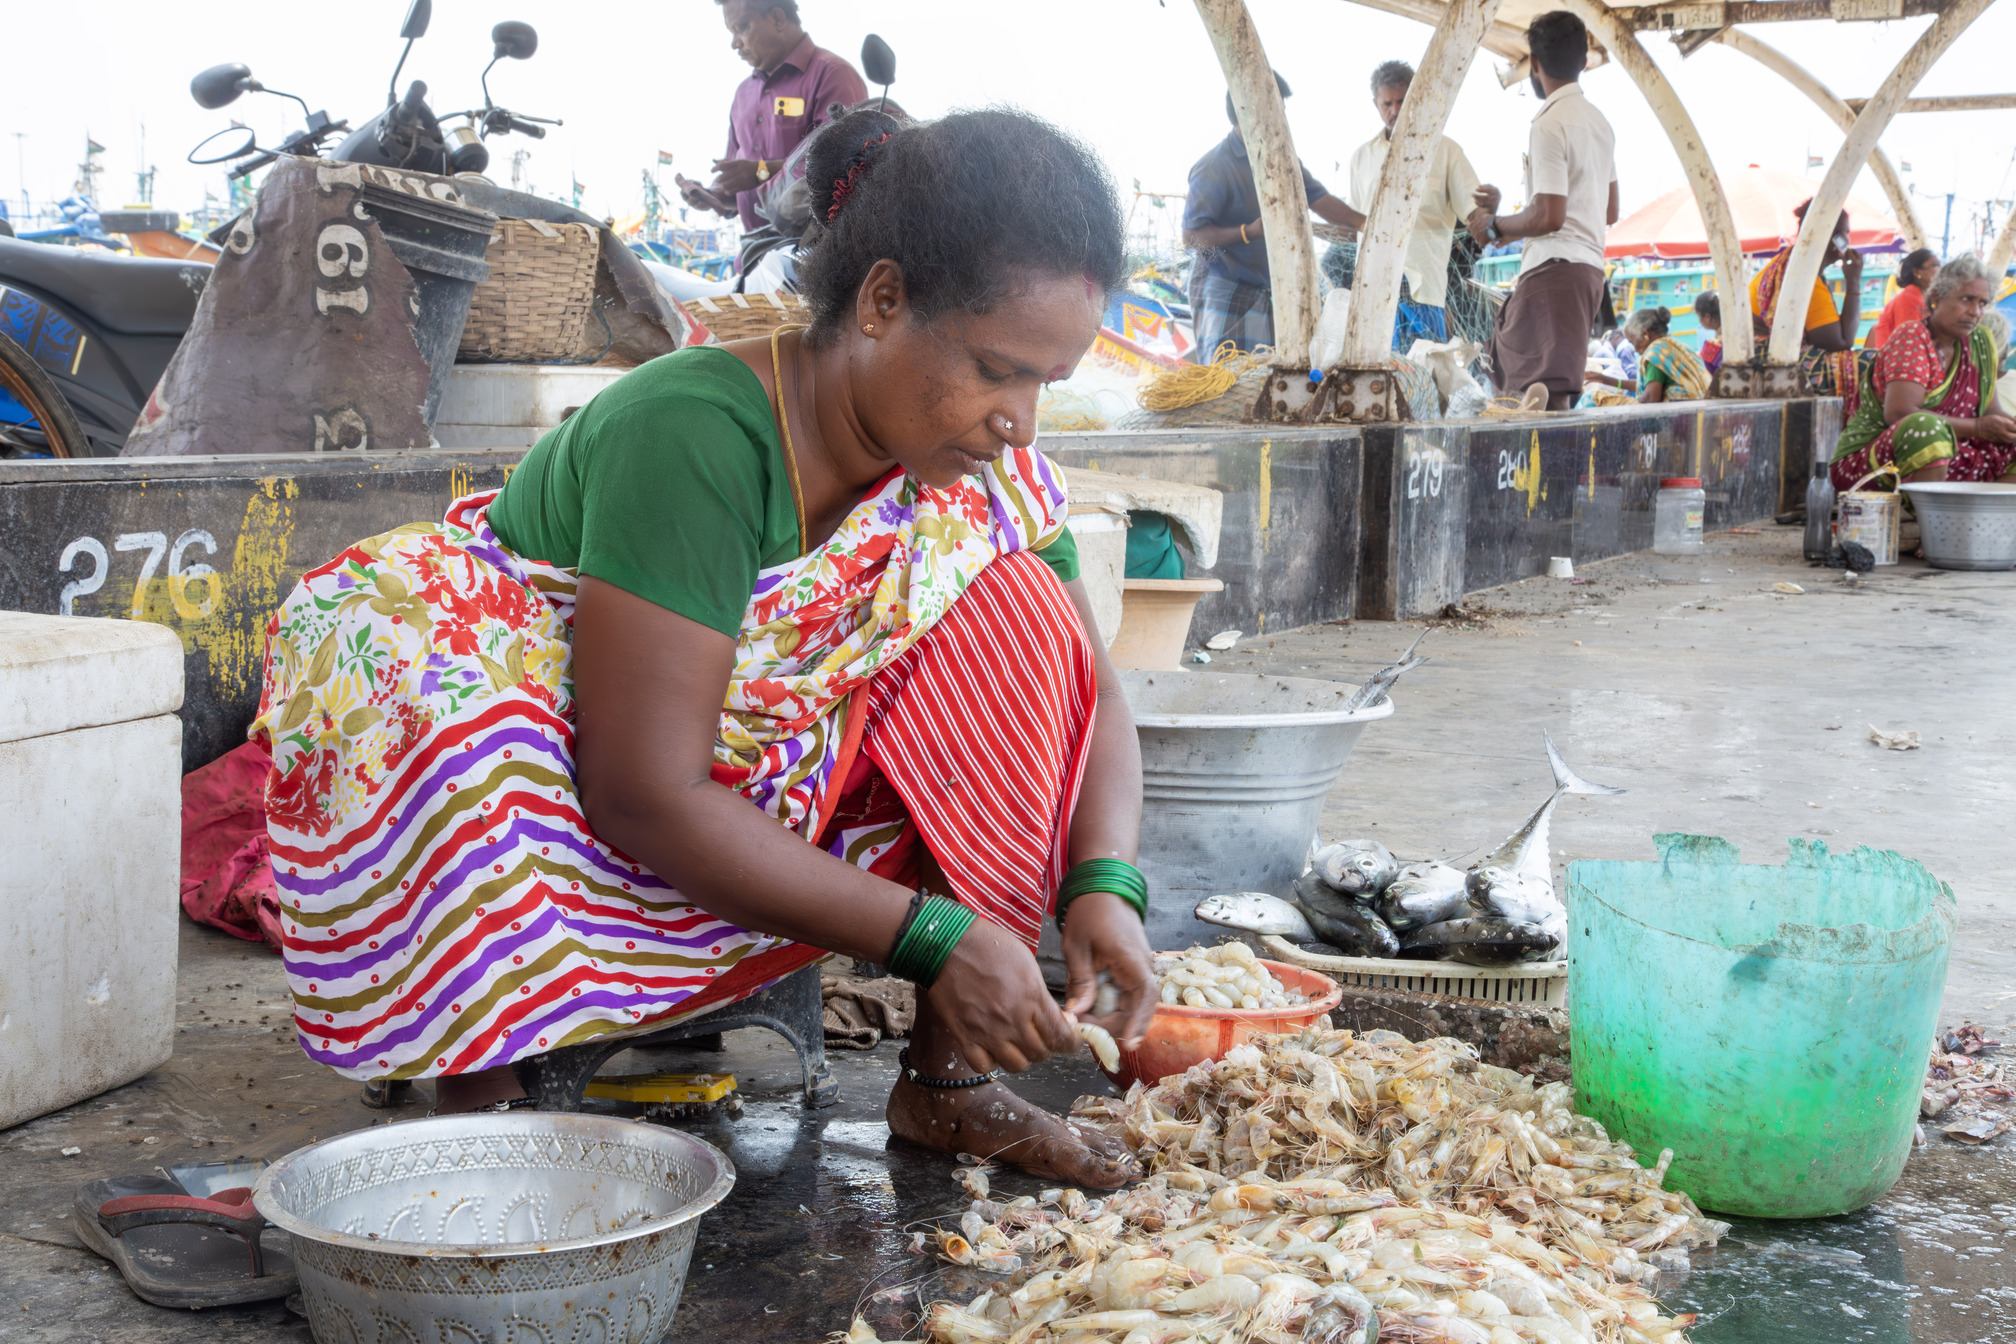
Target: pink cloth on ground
[{"x": 227, "y": 874}]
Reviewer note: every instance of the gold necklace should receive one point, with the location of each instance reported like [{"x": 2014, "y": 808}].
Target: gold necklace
[{"x": 784, "y": 426}]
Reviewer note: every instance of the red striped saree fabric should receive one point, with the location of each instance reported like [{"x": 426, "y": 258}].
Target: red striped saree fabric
[{"x": 446, "y": 906}]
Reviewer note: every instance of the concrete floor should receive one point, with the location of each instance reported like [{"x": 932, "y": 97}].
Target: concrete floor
[{"x": 1723, "y": 706}]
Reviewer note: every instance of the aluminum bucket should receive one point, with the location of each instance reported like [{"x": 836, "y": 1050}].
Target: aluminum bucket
[
  {"x": 495, "y": 1228},
  {"x": 1966, "y": 524},
  {"x": 1235, "y": 767}
]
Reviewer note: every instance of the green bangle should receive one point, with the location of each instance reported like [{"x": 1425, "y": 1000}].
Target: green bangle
[
  {"x": 1117, "y": 876},
  {"x": 928, "y": 941}
]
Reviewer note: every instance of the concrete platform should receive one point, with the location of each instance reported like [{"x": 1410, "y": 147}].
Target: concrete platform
[{"x": 1723, "y": 706}]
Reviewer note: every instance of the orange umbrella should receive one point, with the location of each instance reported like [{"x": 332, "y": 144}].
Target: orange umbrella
[{"x": 1762, "y": 199}]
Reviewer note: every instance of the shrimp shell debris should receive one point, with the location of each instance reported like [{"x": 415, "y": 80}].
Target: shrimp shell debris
[{"x": 1325, "y": 1186}]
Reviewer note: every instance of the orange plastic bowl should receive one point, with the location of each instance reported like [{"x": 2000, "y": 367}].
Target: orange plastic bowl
[{"x": 1181, "y": 1035}]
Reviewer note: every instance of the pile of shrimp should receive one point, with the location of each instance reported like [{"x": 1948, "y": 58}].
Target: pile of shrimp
[
  {"x": 1226, "y": 976},
  {"x": 1326, "y": 1188},
  {"x": 1425, "y": 1121}
]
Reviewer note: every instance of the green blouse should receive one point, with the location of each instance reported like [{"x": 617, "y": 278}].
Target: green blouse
[{"x": 671, "y": 485}]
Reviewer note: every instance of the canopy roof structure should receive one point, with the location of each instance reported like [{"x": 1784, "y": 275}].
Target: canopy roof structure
[
  {"x": 1462, "y": 28},
  {"x": 1762, "y": 201}
]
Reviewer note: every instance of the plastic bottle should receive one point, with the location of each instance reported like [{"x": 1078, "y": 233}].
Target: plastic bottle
[
  {"x": 1326, "y": 346},
  {"x": 1819, "y": 516},
  {"x": 1676, "y": 516}
]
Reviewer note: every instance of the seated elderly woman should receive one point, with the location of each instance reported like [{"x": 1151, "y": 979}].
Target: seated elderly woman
[
  {"x": 1667, "y": 370},
  {"x": 1926, "y": 410}
]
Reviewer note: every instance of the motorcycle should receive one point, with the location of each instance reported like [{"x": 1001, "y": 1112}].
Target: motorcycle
[
  {"x": 85, "y": 335},
  {"x": 407, "y": 134}
]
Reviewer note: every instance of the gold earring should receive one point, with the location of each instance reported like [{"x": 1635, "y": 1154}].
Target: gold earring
[{"x": 868, "y": 327}]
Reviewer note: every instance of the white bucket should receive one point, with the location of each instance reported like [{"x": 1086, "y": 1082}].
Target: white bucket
[{"x": 1870, "y": 517}]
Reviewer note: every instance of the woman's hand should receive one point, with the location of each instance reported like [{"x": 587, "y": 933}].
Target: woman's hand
[
  {"x": 1996, "y": 428},
  {"x": 1102, "y": 933},
  {"x": 990, "y": 996}
]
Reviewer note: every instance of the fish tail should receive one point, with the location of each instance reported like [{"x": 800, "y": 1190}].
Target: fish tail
[{"x": 1565, "y": 779}]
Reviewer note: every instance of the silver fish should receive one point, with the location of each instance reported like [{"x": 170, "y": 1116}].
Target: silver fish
[
  {"x": 1343, "y": 921},
  {"x": 1423, "y": 893},
  {"x": 1480, "y": 941},
  {"x": 1374, "y": 690},
  {"x": 1256, "y": 912},
  {"x": 1516, "y": 880},
  {"x": 1360, "y": 868}
]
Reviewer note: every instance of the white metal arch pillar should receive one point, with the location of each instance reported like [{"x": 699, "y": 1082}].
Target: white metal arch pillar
[
  {"x": 1802, "y": 268},
  {"x": 2005, "y": 246},
  {"x": 1725, "y": 245},
  {"x": 1277, "y": 176},
  {"x": 1799, "y": 78}
]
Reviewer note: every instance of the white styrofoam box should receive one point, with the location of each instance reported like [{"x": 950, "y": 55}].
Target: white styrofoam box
[
  {"x": 512, "y": 405},
  {"x": 1101, "y": 535},
  {"x": 64, "y": 672},
  {"x": 90, "y": 856}
]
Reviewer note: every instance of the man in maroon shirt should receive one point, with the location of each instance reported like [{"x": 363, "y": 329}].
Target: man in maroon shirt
[{"x": 776, "y": 107}]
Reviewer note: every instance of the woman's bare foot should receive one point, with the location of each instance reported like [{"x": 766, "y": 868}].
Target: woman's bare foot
[{"x": 991, "y": 1121}]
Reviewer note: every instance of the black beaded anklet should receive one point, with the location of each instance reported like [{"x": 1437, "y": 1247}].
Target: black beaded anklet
[{"x": 903, "y": 1060}]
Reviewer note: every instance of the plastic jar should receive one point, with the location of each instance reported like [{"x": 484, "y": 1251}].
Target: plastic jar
[{"x": 1676, "y": 516}]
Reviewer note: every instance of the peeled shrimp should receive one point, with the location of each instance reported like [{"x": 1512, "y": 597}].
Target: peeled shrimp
[{"x": 1101, "y": 1042}]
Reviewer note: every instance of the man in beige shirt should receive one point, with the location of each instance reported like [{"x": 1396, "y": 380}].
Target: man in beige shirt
[
  {"x": 1445, "y": 203},
  {"x": 1543, "y": 333}
]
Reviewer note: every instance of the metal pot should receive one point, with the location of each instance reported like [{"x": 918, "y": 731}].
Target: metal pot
[
  {"x": 1235, "y": 767},
  {"x": 482, "y": 1229}
]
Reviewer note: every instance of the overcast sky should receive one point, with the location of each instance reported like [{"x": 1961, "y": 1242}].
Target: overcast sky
[{"x": 1136, "y": 79}]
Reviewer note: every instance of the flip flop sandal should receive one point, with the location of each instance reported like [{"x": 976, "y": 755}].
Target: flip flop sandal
[{"x": 176, "y": 1250}]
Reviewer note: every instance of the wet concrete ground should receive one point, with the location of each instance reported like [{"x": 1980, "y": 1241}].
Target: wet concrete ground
[{"x": 1725, "y": 707}]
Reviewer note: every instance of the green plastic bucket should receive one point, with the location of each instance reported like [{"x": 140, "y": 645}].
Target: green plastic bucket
[{"x": 1769, "y": 1025}]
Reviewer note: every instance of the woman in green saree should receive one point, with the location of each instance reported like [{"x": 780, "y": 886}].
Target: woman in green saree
[{"x": 1926, "y": 404}]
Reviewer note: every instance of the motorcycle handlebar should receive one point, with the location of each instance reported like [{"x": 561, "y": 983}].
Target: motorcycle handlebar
[
  {"x": 253, "y": 165},
  {"x": 524, "y": 128}
]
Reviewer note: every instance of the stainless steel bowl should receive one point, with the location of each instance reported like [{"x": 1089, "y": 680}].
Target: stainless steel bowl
[
  {"x": 1966, "y": 524},
  {"x": 495, "y": 1229}
]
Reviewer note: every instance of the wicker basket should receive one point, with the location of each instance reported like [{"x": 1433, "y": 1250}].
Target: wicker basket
[
  {"x": 534, "y": 307},
  {"x": 735, "y": 317}
]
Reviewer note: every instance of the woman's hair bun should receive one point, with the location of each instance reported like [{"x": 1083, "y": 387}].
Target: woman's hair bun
[
  {"x": 966, "y": 206},
  {"x": 842, "y": 155}
]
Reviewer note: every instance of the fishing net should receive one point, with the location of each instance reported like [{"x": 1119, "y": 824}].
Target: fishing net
[{"x": 1466, "y": 308}]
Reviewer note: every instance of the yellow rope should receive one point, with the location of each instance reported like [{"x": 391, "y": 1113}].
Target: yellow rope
[{"x": 1174, "y": 389}]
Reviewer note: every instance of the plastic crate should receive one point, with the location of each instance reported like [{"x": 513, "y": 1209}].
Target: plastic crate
[{"x": 1542, "y": 983}]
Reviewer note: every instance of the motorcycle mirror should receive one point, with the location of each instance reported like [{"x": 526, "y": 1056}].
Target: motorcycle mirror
[
  {"x": 244, "y": 144},
  {"x": 418, "y": 15},
  {"x": 514, "y": 39},
  {"x": 220, "y": 84},
  {"x": 878, "y": 62}
]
